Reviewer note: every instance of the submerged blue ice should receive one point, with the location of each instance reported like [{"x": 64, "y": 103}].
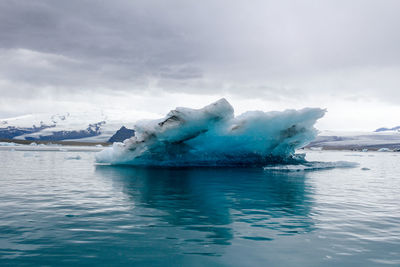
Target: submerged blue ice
[{"x": 212, "y": 136}]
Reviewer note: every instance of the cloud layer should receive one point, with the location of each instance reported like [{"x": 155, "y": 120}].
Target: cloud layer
[{"x": 283, "y": 53}]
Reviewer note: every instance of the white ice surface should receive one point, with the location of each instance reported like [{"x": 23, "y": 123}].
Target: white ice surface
[{"x": 213, "y": 136}]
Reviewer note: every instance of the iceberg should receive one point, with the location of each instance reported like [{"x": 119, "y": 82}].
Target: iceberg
[{"x": 213, "y": 136}]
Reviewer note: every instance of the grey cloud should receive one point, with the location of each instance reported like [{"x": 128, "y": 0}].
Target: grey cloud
[{"x": 262, "y": 48}]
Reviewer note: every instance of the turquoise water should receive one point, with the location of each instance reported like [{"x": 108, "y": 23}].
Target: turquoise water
[{"x": 59, "y": 209}]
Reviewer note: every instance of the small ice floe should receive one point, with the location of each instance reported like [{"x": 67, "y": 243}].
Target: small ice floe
[
  {"x": 33, "y": 144},
  {"x": 311, "y": 166},
  {"x": 76, "y": 157},
  {"x": 364, "y": 150},
  {"x": 8, "y": 144},
  {"x": 63, "y": 149},
  {"x": 53, "y": 145},
  {"x": 31, "y": 154},
  {"x": 384, "y": 149},
  {"x": 99, "y": 145},
  {"x": 316, "y": 148},
  {"x": 28, "y": 154},
  {"x": 365, "y": 169}
]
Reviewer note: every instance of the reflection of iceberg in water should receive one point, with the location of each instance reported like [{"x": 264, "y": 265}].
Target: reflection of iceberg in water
[
  {"x": 212, "y": 136},
  {"x": 203, "y": 209}
]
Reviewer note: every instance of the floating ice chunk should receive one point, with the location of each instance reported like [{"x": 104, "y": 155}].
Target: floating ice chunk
[
  {"x": 311, "y": 166},
  {"x": 384, "y": 149},
  {"x": 212, "y": 136},
  {"x": 8, "y": 144},
  {"x": 28, "y": 154},
  {"x": 76, "y": 157}
]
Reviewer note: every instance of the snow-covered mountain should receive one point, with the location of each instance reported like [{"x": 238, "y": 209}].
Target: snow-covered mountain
[
  {"x": 88, "y": 126},
  {"x": 98, "y": 126},
  {"x": 358, "y": 140},
  {"x": 384, "y": 129}
]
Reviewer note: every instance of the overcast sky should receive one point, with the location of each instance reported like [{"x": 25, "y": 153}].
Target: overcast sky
[{"x": 150, "y": 56}]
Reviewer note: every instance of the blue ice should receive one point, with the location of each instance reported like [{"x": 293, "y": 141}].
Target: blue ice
[{"x": 213, "y": 136}]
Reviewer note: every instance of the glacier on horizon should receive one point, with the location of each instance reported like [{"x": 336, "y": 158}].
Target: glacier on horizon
[{"x": 213, "y": 136}]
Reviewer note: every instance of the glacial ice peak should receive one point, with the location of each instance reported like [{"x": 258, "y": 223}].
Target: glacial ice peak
[{"x": 212, "y": 136}]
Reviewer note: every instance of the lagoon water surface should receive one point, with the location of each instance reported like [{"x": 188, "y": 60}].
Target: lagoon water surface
[{"x": 59, "y": 208}]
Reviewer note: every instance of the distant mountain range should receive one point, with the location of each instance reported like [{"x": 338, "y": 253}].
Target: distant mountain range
[
  {"x": 80, "y": 126},
  {"x": 358, "y": 140},
  {"x": 97, "y": 127},
  {"x": 383, "y": 129}
]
